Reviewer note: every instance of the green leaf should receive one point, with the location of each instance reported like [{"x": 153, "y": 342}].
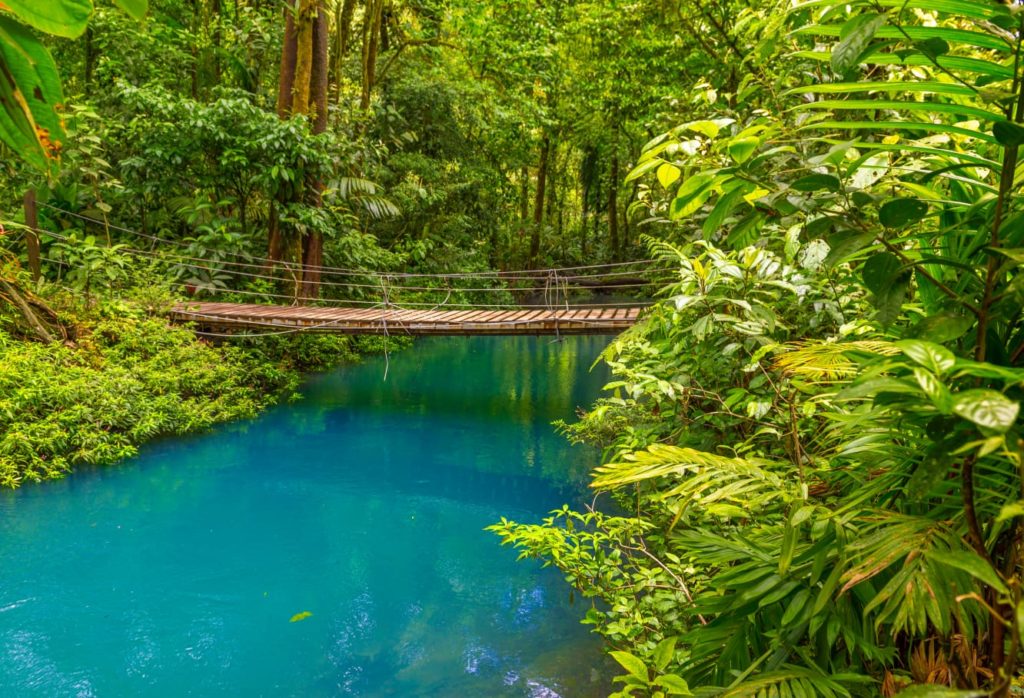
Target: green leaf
[
  {"x": 643, "y": 168},
  {"x": 66, "y": 18},
  {"x": 741, "y": 149},
  {"x": 970, "y": 562},
  {"x": 29, "y": 92},
  {"x": 633, "y": 664},
  {"x": 899, "y": 213},
  {"x": 664, "y": 652},
  {"x": 943, "y": 327},
  {"x": 668, "y": 174},
  {"x": 880, "y": 271},
  {"x": 933, "y": 47},
  {"x": 673, "y": 685},
  {"x": 935, "y": 358},
  {"x": 986, "y": 408},
  {"x": 1008, "y": 133},
  {"x": 928, "y": 473},
  {"x": 854, "y": 38},
  {"x": 816, "y": 182},
  {"x": 846, "y": 243},
  {"x": 705, "y": 128},
  {"x": 692, "y": 194},
  {"x": 935, "y": 390},
  {"x": 135, "y": 8},
  {"x": 724, "y": 207},
  {"x": 1011, "y": 511}
]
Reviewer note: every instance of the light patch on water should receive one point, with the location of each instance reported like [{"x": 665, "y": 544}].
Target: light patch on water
[{"x": 28, "y": 653}]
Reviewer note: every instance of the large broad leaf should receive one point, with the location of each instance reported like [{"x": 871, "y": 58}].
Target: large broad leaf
[
  {"x": 29, "y": 93},
  {"x": 854, "y": 38},
  {"x": 986, "y": 408},
  {"x": 881, "y": 271},
  {"x": 935, "y": 358},
  {"x": 136, "y": 8},
  {"x": 633, "y": 664},
  {"x": 61, "y": 17}
]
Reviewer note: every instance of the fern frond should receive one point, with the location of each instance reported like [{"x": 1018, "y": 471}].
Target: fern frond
[{"x": 828, "y": 360}]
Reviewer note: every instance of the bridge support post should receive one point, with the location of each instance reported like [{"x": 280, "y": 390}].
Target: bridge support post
[{"x": 32, "y": 233}]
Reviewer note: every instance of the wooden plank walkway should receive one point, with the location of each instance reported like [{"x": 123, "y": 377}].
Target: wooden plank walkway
[{"x": 258, "y": 319}]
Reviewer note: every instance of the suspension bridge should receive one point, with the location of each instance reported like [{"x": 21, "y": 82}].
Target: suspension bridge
[{"x": 234, "y": 295}]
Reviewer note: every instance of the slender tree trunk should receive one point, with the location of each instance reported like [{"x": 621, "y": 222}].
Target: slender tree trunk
[
  {"x": 194, "y": 51},
  {"x": 90, "y": 59},
  {"x": 524, "y": 195},
  {"x": 613, "y": 207},
  {"x": 625, "y": 217},
  {"x": 371, "y": 37},
  {"x": 584, "y": 209},
  {"x": 385, "y": 39},
  {"x": 343, "y": 36},
  {"x": 215, "y": 19},
  {"x": 538, "y": 207}
]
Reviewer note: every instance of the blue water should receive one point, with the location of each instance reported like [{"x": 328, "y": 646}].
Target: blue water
[{"x": 177, "y": 573}]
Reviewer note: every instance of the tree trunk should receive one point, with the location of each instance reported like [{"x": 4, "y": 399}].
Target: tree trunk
[
  {"x": 584, "y": 209},
  {"x": 371, "y": 36},
  {"x": 313, "y": 242},
  {"x": 343, "y": 36},
  {"x": 385, "y": 39},
  {"x": 524, "y": 195},
  {"x": 538, "y": 207},
  {"x": 613, "y": 207},
  {"x": 90, "y": 60},
  {"x": 286, "y": 80},
  {"x": 303, "y": 56},
  {"x": 215, "y": 12}
]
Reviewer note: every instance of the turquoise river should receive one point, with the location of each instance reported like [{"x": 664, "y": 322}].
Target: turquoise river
[{"x": 332, "y": 547}]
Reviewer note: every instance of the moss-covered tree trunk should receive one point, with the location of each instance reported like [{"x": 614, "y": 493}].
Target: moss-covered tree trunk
[{"x": 302, "y": 90}]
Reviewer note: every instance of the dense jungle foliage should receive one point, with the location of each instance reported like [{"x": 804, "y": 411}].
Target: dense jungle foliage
[{"x": 814, "y": 472}]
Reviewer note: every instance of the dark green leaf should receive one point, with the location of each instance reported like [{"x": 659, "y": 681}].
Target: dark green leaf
[
  {"x": 816, "y": 182},
  {"x": 899, "y": 213},
  {"x": 933, "y": 47},
  {"x": 880, "y": 271},
  {"x": 1008, "y": 133}
]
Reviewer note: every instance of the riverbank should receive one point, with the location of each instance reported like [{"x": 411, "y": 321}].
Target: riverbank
[{"x": 129, "y": 376}]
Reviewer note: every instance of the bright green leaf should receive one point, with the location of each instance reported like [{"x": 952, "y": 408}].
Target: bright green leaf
[{"x": 65, "y": 18}]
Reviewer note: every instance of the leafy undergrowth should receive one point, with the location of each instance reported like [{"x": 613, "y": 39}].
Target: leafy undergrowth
[{"x": 129, "y": 377}]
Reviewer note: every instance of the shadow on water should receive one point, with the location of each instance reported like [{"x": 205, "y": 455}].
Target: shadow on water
[{"x": 177, "y": 573}]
